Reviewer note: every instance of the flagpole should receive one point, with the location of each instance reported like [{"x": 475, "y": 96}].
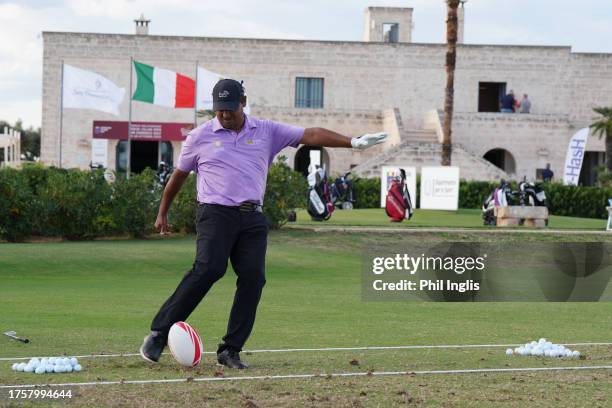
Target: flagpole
[
  {"x": 129, "y": 140},
  {"x": 61, "y": 115},
  {"x": 195, "y": 99}
]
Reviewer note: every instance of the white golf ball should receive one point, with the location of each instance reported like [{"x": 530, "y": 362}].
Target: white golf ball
[
  {"x": 509, "y": 352},
  {"x": 34, "y": 362},
  {"x": 21, "y": 366},
  {"x": 28, "y": 368},
  {"x": 49, "y": 368},
  {"x": 52, "y": 360},
  {"x": 65, "y": 361},
  {"x": 67, "y": 368},
  {"x": 77, "y": 367},
  {"x": 541, "y": 341},
  {"x": 14, "y": 366},
  {"x": 538, "y": 352},
  {"x": 44, "y": 361},
  {"x": 57, "y": 369},
  {"x": 74, "y": 361},
  {"x": 40, "y": 370},
  {"x": 575, "y": 354}
]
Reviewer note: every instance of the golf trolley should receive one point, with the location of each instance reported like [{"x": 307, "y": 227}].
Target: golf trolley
[
  {"x": 528, "y": 194},
  {"x": 342, "y": 192}
]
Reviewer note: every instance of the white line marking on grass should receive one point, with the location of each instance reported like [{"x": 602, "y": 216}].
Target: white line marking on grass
[
  {"x": 308, "y": 376},
  {"x": 364, "y": 348}
]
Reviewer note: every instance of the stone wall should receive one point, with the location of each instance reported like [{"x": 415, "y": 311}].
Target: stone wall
[{"x": 361, "y": 79}]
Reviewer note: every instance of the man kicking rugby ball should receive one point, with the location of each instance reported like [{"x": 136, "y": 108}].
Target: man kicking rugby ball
[{"x": 230, "y": 154}]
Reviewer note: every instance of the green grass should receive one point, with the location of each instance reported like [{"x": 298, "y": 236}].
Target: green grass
[
  {"x": 99, "y": 297},
  {"x": 463, "y": 218}
]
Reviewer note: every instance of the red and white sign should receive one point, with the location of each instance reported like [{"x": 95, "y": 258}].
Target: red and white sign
[{"x": 151, "y": 131}]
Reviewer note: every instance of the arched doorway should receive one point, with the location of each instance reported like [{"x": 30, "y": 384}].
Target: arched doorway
[
  {"x": 306, "y": 154},
  {"x": 501, "y": 158}
]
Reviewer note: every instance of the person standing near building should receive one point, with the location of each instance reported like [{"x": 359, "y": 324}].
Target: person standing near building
[
  {"x": 230, "y": 154},
  {"x": 506, "y": 103},
  {"x": 525, "y": 106},
  {"x": 547, "y": 174}
]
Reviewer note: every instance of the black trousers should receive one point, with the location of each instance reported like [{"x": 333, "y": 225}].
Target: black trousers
[{"x": 222, "y": 233}]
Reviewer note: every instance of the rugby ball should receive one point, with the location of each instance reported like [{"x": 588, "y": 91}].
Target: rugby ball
[{"x": 185, "y": 344}]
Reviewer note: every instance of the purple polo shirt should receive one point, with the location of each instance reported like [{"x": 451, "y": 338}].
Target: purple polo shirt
[{"x": 233, "y": 167}]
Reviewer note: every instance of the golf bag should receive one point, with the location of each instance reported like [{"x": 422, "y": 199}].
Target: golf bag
[
  {"x": 342, "y": 192},
  {"x": 500, "y": 197},
  {"x": 533, "y": 194},
  {"x": 163, "y": 174},
  {"x": 320, "y": 206},
  {"x": 398, "y": 204}
]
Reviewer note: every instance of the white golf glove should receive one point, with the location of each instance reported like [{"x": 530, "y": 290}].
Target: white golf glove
[{"x": 368, "y": 140}]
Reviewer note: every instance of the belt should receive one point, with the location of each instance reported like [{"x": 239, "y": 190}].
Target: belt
[{"x": 246, "y": 206}]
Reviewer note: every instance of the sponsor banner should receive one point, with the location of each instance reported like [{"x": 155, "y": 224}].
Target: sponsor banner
[
  {"x": 421, "y": 270},
  {"x": 440, "y": 188},
  {"x": 388, "y": 173},
  {"x": 99, "y": 152},
  {"x": 151, "y": 131},
  {"x": 574, "y": 157}
]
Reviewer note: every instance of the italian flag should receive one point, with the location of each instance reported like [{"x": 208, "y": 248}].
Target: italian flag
[{"x": 162, "y": 87}]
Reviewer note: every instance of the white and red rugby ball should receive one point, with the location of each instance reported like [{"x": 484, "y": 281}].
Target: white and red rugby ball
[{"x": 185, "y": 344}]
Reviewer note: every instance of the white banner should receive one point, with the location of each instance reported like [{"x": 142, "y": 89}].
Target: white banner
[
  {"x": 388, "y": 173},
  {"x": 440, "y": 188},
  {"x": 89, "y": 90},
  {"x": 206, "y": 82},
  {"x": 574, "y": 157},
  {"x": 99, "y": 152}
]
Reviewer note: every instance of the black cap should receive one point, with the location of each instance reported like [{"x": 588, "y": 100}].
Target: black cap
[{"x": 226, "y": 95}]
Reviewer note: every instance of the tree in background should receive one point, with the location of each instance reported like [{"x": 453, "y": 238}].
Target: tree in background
[
  {"x": 30, "y": 139},
  {"x": 603, "y": 128},
  {"x": 451, "y": 57}
]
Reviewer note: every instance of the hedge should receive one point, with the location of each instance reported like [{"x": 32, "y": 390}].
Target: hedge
[
  {"x": 573, "y": 201},
  {"x": 75, "y": 204}
]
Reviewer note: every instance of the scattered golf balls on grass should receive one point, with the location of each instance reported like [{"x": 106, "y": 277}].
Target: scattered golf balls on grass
[
  {"x": 48, "y": 365},
  {"x": 543, "y": 348}
]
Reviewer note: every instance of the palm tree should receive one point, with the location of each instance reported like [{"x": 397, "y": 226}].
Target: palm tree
[
  {"x": 451, "y": 57},
  {"x": 603, "y": 127}
]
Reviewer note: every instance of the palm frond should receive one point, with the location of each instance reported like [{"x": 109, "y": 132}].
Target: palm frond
[{"x": 603, "y": 126}]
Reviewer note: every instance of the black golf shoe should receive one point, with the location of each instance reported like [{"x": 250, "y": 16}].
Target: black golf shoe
[
  {"x": 231, "y": 359},
  {"x": 153, "y": 346}
]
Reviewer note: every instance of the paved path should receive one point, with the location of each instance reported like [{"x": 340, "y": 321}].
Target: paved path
[{"x": 411, "y": 230}]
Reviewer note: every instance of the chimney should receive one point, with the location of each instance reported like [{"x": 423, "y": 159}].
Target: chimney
[
  {"x": 460, "y": 21},
  {"x": 142, "y": 25},
  {"x": 388, "y": 24}
]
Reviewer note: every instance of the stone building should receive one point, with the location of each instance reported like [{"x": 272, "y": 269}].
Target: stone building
[
  {"x": 384, "y": 83},
  {"x": 10, "y": 148}
]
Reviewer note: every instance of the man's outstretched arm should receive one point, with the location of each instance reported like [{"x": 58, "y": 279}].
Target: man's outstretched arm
[
  {"x": 327, "y": 138},
  {"x": 172, "y": 188}
]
